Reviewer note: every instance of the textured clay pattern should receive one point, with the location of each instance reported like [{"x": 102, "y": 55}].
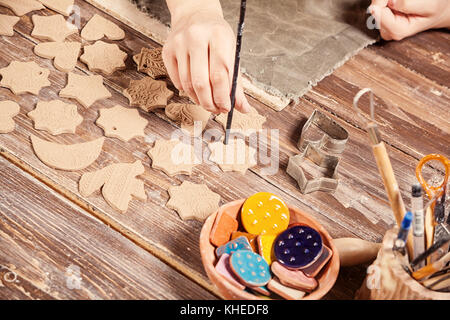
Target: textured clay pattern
[
  {"x": 148, "y": 94},
  {"x": 150, "y": 61},
  {"x": 244, "y": 123},
  {"x": 188, "y": 116}
]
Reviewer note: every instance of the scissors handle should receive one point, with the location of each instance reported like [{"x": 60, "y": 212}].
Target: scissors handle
[{"x": 431, "y": 190}]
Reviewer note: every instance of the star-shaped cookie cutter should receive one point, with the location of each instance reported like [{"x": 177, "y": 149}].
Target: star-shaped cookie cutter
[{"x": 327, "y": 183}]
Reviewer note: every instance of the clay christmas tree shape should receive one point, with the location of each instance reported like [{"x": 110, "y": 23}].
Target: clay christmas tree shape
[
  {"x": 8, "y": 110},
  {"x": 65, "y": 53},
  {"x": 104, "y": 57},
  {"x": 118, "y": 183},
  {"x": 245, "y": 123},
  {"x": 85, "y": 89},
  {"x": 7, "y": 25},
  {"x": 148, "y": 94},
  {"x": 63, "y": 7},
  {"x": 188, "y": 116},
  {"x": 193, "y": 201},
  {"x": 71, "y": 157},
  {"x": 122, "y": 123},
  {"x": 52, "y": 28},
  {"x": 21, "y": 7},
  {"x": 23, "y": 77},
  {"x": 173, "y": 157},
  {"x": 99, "y": 27},
  {"x": 150, "y": 62},
  {"x": 235, "y": 156},
  {"x": 56, "y": 117}
]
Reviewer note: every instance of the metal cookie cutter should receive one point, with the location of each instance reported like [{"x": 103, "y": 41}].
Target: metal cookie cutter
[
  {"x": 327, "y": 183},
  {"x": 332, "y": 138}
]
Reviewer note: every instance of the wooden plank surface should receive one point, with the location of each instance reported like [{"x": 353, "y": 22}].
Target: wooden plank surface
[{"x": 51, "y": 249}]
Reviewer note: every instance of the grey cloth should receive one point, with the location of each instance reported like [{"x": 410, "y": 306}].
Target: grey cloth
[{"x": 290, "y": 45}]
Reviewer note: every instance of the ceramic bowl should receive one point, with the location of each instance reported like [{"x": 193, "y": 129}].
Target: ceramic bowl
[{"x": 326, "y": 278}]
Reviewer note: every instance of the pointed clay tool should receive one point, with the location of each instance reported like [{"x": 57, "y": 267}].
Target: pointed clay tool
[
  {"x": 21, "y": 7},
  {"x": 65, "y": 54},
  {"x": 104, "y": 57},
  {"x": 191, "y": 117},
  {"x": 173, "y": 157},
  {"x": 244, "y": 123},
  {"x": 148, "y": 94},
  {"x": 56, "y": 117},
  {"x": 223, "y": 227},
  {"x": 121, "y": 123},
  {"x": 293, "y": 278},
  {"x": 24, "y": 77},
  {"x": 235, "y": 156},
  {"x": 118, "y": 183},
  {"x": 193, "y": 201},
  {"x": 7, "y": 24},
  {"x": 52, "y": 28},
  {"x": 150, "y": 61},
  {"x": 85, "y": 89},
  {"x": 67, "y": 157},
  {"x": 63, "y": 7},
  {"x": 99, "y": 27},
  {"x": 8, "y": 110}
]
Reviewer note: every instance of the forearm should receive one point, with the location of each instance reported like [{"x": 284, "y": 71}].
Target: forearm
[{"x": 179, "y": 8}]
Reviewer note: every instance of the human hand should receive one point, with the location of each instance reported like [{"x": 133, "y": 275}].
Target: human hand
[
  {"x": 398, "y": 19},
  {"x": 199, "y": 57}
]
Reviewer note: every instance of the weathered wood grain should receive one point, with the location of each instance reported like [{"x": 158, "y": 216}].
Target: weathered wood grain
[{"x": 55, "y": 250}]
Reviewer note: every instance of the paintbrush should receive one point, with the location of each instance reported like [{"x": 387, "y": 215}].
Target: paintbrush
[
  {"x": 431, "y": 268},
  {"x": 237, "y": 60}
]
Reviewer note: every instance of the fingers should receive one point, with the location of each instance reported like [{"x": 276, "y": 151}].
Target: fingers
[
  {"x": 171, "y": 65},
  {"x": 416, "y": 7},
  {"x": 242, "y": 104},
  {"x": 220, "y": 64},
  {"x": 184, "y": 72}
]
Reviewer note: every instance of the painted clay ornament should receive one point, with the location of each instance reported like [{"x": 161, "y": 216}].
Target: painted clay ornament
[
  {"x": 65, "y": 54},
  {"x": 240, "y": 243},
  {"x": 192, "y": 118},
  {"x": 71, "y": 157},
  {"x": 244, "y": 123},
  {"x": 104, "y": 57},
  {"x": 52, "y": 28},
  {"x": 150, "y": 61},
  {"x": 223, "y": 268},
  {"x": 63, "y": 7},
  {"x": 224, "y": 226},
  {"x": 24, "y": 77},
  {"x": 99, "y": 27},
  {"x": 8, "y": 110},
  {"x": 252, "y": 238},
  {"x": 314, "y": 269},
  {"x": 284, "y": 291},
  {"x": 234, "y": 156},
  {"x": 118, "y": 184},
  {"x": 173, "y": 157},
  {"x": 148, "y": 94},
  {"x": 21, "y": 7},
  {"x": 265, "y": 246},
  {"x": 55, "y": 117},
  {"x": 121, "y": 123},
  {"x": 193, "y": 201},
  {"x": 293, "y": 278},
  {"x": 7, "y": 24},
  {"x": 251, "y": 269},
  {"x": 264, "y": 213},
  {"x": 85, "y": 89}
]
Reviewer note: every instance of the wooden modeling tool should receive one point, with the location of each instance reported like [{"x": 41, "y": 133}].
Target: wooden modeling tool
[
  {"x": 431, "y": 268},
  {"x": 237, "y": 59},
  {"x": 384, "y": 164}
]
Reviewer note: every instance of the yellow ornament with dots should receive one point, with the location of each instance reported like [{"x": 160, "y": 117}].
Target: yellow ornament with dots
[{"x": 264, "y": 213}]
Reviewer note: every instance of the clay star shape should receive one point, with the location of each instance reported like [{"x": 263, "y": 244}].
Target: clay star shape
[
  {"x": 104, "y": 57},
  {"x": 245, "y": 123},
  {"x": 150, "y": 61},
  {"x": 122, "y": 123},
  {"x": 63, "y": 7},
  {"x": 8, "y": 110},
  {"x": 23, "y": 77},
  {"x": 85, "y": 89},
  {"x": 173, "y": 157},
  {"x": 193, "y": 201},
  {"x": 56, "y": 117},
  {"x": 98, "y": 27},
  {"x": 21, "y": 7},
  {"x": 148, "y": 94},
  {"x": 235, "y": 156},
  {"x": 52, "y": 28},
  {"x": 7, "y": 25}
]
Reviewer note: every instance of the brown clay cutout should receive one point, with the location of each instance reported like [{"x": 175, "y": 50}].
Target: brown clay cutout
[
  {"x": 99, "y": 27},
  {"x": 65, "y": 54},
  {"x": 67, "y": 157},
  {"x": 63, "y": 7},
  {"x": 85, "y": 89},
  {"x": 118, "y": 183},
  {"x": 235, "y": 156},
  {"x": 8, "y": 110},
  {"x": 56, "y": 117},
  {"x": 7, "y": 24},
  {"x": 104, "y": 57},
  {"x": 24, "y": 77},
  {"x": 245, "y": 123},
  {"x": 193, "y": 201},
  {"x": 21, "y": 7},
  {"x": 52, "y": 28},
  {"x": 148, "y": 94},
  {"x": 187, "y": 116},
  {"x": 150, "y": 61},
  {"x": 122, "y": 123}
]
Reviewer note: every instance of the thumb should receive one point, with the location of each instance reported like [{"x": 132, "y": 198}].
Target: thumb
[{"x": 416, "y": 7}]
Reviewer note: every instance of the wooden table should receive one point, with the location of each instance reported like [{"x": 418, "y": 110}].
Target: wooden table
[{"x": 56, "y": 244}]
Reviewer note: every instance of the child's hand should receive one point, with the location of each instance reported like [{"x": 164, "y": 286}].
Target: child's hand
[
  {"x": 199, "y": 57},
  {"x": 398, "y": 19}
]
